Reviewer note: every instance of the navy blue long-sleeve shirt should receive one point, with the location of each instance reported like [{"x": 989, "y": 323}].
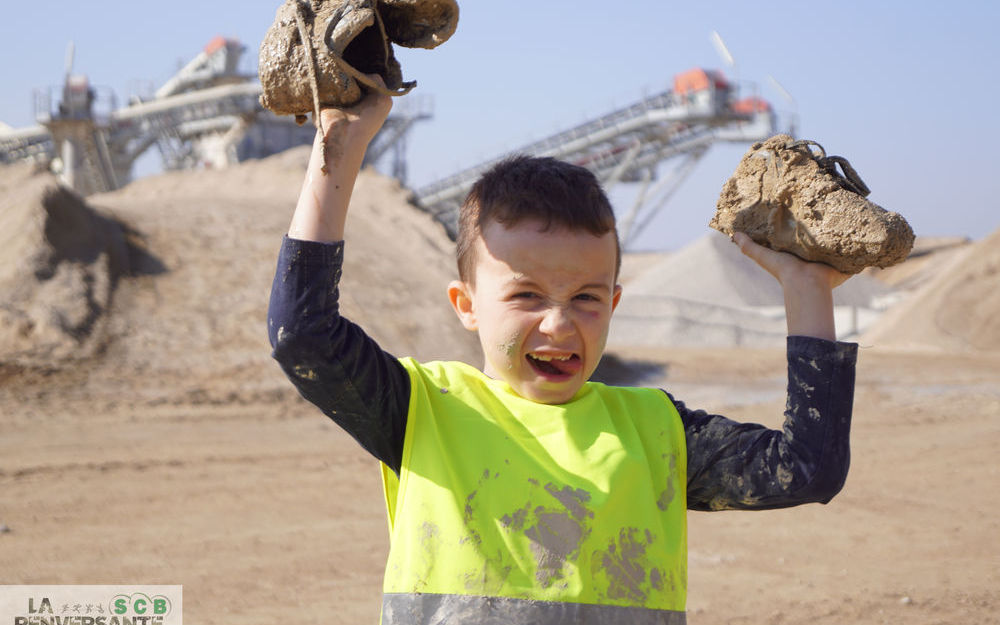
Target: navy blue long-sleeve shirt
[{"x": 731, "y": 465}]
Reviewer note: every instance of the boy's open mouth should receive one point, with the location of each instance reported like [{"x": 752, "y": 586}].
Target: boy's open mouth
[{"x": 555, "y": 366}]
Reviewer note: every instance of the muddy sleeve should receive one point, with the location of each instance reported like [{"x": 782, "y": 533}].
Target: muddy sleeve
[
  {"x": 746, "y": 466},
  {"x": 331, "y": 361}
]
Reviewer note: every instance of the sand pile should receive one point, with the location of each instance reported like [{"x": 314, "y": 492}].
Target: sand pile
[
  {"x": 929, "y": 254},
  {"x": 59, "y": 261},
  {"x": 710, "y": 294},
  {"x": 959, "y": 309},
  {"x": 714, "y": 271},
  {"x": 188, "y": 322}
]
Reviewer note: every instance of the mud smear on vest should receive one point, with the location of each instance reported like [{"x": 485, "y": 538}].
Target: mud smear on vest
[
  {"x": 663, "y": 502},
  {"x": 494, "y": 571},
  {"x": 430, "y": 540},
  {"x": 555, "y": 533},
  {"x": 629, "y": 572}
]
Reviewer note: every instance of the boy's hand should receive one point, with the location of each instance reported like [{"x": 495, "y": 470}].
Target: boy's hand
[
  {"x": 363, "y": 120},
  {"x": 787, "y": 267},
  {"x": 808, "y": 287},
  {"x": 334, "y": 164}
]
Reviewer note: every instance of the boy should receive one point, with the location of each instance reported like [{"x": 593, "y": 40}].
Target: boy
[{"x": 523, "y": 493}]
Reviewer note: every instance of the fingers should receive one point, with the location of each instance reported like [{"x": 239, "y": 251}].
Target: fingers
[
  {"x": 745, "y": 243},
  {"x": 785, "y": 266},
  {"x": 374, "y": 106},
  {"x": 837, "y": 278},
  {"x": 380, "y": 102},
  {"x": 365, "y": 118},
  {"x": 768, "y": 259}
]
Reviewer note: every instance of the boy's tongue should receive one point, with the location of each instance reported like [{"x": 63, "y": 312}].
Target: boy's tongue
[{"x": 556, "y": 366}]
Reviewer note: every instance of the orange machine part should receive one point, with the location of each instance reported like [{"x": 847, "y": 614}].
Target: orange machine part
[{"x": 699, "y": 80}]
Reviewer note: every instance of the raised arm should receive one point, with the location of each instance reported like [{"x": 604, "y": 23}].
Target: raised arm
[
  {"x": 747, "y": 466},
  {"x": 331, "y": 361},
  {"x": 321, "y": 211}
]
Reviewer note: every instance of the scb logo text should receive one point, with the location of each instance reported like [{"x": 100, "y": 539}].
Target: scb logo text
[{"x": 140, "y": 604}]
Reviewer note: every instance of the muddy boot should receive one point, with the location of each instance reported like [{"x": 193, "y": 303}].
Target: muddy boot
[
  {"x": 317, "y": 53},
  {"x": 419, "y": 23},
  {"x": 790, "y": 196}
]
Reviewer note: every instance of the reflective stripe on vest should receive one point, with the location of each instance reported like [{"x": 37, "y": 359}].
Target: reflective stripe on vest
[
  {"x": 427, "y": 609},
  {"x": 581, "y": 503}
]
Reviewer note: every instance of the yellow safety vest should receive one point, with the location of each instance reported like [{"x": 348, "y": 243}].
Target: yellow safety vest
[{"x": 510, "y": 511}]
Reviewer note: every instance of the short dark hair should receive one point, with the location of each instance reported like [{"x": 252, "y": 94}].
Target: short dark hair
[{"x": 521, "y": 187}]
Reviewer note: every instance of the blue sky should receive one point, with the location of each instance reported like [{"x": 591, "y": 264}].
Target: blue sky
[{"x": 905, "y": 90}]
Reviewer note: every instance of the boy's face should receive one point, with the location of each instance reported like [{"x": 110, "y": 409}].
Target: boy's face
[{"x": 542, "y": 303}]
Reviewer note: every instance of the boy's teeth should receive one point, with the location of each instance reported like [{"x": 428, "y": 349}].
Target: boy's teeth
[{"x": 549, "y": 358}]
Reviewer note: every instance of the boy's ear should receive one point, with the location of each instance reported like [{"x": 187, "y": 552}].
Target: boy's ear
[{"x": 460, "y": 296}]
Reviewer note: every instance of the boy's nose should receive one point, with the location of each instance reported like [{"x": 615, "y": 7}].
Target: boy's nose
[{"x": 556, "y": 323}]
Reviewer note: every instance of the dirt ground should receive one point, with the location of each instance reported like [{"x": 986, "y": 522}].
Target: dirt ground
[{"x": 180, "y": 455}]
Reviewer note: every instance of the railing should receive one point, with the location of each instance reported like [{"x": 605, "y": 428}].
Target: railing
[
  {"x": 624, "y": 145},
  {"x": 652, "y": 121}
]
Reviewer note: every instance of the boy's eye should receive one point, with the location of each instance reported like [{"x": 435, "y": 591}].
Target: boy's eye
[
  {"x": 587, "y": 297},
  {"x": 525, "y": 295}
]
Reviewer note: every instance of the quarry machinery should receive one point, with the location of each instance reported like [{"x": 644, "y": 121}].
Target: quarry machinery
[
  {"x": 206, "y": 115},
  {"x": 654, "y": 142}
]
